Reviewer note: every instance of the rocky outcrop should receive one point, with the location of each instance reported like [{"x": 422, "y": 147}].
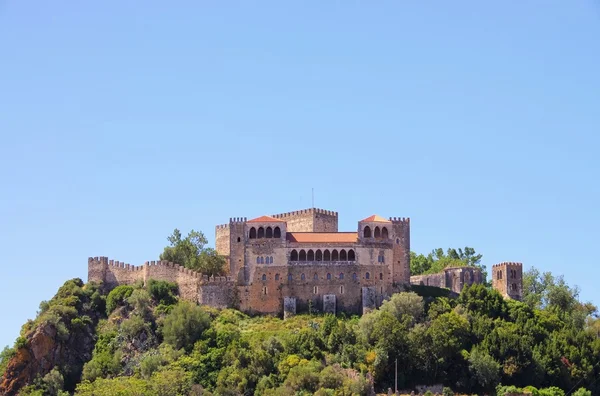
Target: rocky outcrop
[{"x": 43, "y": 351}]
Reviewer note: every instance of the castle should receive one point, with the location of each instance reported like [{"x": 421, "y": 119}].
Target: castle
[{"x": 299, "y": 261}]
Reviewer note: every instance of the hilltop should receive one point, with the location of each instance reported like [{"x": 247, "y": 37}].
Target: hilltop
[{"x": 144, "y": 339}]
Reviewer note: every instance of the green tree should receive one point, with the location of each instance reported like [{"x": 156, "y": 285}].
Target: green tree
[
  {"x": 191, "y": 252},
  {"x": 437, "y": 260},
  {"x": 485, "y": 370},
  {"x": 117, "y": 296},
  {"x": 184, "y": 325}
]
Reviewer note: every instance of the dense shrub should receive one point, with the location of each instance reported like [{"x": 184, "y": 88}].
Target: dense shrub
[
  {"x": 184, "y": 325},
  {"x": 163, "y": 292},
  {"x": 117, "y": 297}
]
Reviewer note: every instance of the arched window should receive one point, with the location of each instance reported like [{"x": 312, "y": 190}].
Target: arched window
[
  {"x": 351, "y": 255},
  {"x": 316, "y": 277},
  {"x": 239, "y": 239},
  {"x": 354, "y": 277},
  {"x": 328, "y": 276},
  {"x": 499, "y": 275},
  {"x": 271, "y": 260},
  {"x": 326, "y": 255},
  {"x": 252, "y": 233},
  {"x": 302, "y": 277},
  {"x": 277, "y": 232},
  {"x": 258, "y": 260},
  {"x": 343, "y": 255},
  {"x": 384, "y": 233},
  {"x": 302, "y": 255},
  {"x": 310, "y": 256},
  {"x": 334, "y": 255},
  {"x": 290, "y": 277},
  {"x": 319, "y": 255},
  {"x": 264, "y": 277},
  {"x": 294, "y": 255},
  {"x": 377, "y": 233},
  {"x": 276, "y": 277},
  {"x": 269, "y": 232},
  {"x": 381, "y": 276},
  {"x": 341, "y": 275},
  {"x": 261, "y": 232},
  {"x": 397, "y": 241},
  {"x": 367, "y": 232},
  {"x": 514, "y": 287},
  {"x": 367, "y": 276},
  {"x": 262, "y": 260}
]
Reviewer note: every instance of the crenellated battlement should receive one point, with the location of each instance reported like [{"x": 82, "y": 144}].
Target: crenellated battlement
[
  {"x": 148, "y": 269},
  {"x": 305, "y": 211},
  {"x": 508, "y": 264},
  {"x": 222, "y": 226},
  {"x": 237, "y": 220},
  {"x": 399, "y": 220}
]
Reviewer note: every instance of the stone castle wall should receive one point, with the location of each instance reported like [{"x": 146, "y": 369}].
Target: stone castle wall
[
  {"x": 193, "y": 286},
  {"x": 453, "y": 278},
  {"x": 310, "y": 220},
  {"x": 266, "y": 296}
]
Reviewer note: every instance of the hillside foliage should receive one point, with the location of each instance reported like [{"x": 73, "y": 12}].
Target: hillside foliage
[
  {"x": 149, "y": 342},
  {"x": 438, "y": 259}
]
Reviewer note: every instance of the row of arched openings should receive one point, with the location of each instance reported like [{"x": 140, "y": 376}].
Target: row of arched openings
[
  {"x": 328, "y": 276},
  {"x": 324, "y": 255},
  {"x": 264, "y": 260},
  {"x": 263, "y": 232},
  {"x": 377, "y": 233}
]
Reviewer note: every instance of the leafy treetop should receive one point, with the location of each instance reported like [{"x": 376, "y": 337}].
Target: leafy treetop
[{"x": 192, "y": 253}]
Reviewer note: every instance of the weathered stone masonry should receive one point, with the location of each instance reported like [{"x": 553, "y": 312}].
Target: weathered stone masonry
[
  {"x": 296, "y": 261},
  {"x": 193, "y": 286}
]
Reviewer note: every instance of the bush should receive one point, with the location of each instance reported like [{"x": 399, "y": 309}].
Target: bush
[
  {"x": 582, "y": 392},
  {"x": 117, "y": 297},
  {"x": 447, "y": 391},
  {"x": 5, "y": 356},
  {"x": 184, "y": 325},
  {"x": 163, "y": 292},
  {"x": 552, "y": 391}
]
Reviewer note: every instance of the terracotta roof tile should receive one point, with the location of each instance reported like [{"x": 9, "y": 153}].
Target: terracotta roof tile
[
  {"x": 322, "y": 237},
  {"x": 377, "y": 219},
  {"x": 265, "y": 219}
]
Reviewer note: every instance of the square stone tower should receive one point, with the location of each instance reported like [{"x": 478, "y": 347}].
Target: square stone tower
[{"x": 507, "y": 278}]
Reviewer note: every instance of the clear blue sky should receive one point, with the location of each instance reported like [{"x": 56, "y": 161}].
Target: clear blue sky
[{"x": 120, "y": 121}]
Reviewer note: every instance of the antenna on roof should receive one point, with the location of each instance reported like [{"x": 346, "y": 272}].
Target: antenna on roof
[{"x": 313, "y": 197}]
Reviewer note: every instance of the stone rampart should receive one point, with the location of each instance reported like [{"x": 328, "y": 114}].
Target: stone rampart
[
  {"x": 193, "y": 286},
  {"x": 453, "y": 278}
]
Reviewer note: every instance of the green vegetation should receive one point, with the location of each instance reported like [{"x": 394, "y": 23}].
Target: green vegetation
[
  {"x": 153, "y": 343},
  {"x": 437, "y": 260},
  {"x": 191, "y": 252},
  {"x": 117, "y": 297}
]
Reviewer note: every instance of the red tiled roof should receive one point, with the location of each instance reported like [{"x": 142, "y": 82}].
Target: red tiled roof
[
  {"x": 377, "y": 219},
  {"x": 322, "y": 237},
  {"x": 265, "y": 219}
]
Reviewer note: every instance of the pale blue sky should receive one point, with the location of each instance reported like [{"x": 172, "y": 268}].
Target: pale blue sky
[{"x": 120, "y": 121}]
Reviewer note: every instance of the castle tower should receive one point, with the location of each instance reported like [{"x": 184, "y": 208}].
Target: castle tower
[
  {"x": 507, "y": 278},
  {"x": 401, "y": 240},
  {"x": 266, "y": 238},
  {"x": 237, "y": 246}
]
